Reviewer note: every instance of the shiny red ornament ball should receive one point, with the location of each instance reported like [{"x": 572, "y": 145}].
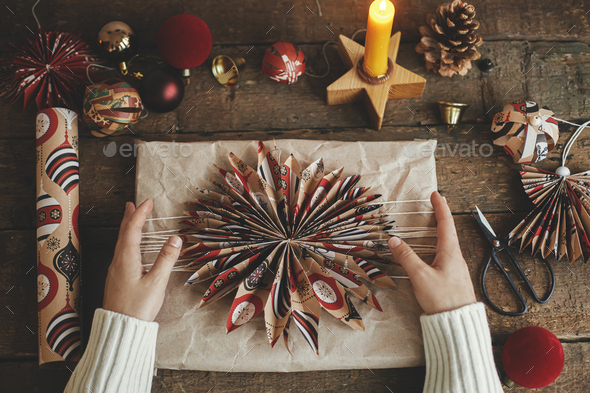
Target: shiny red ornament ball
[
  {"x": 184, "y": 41},
  {"x": 283, "y": 62},
  {"x": 533, "y": 357},
  {"x": 161, "y": 90}
]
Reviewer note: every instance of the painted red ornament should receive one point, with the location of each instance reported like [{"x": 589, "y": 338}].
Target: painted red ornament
[
  {"x": 184, "y": 41},
  {"x": 283, "y": 62},
  {"x": 532, "y": 357},
  {"x": 49, "y": 69},
  {"x": 161, "y": 91},
  {"x": 111, "y": 107}
]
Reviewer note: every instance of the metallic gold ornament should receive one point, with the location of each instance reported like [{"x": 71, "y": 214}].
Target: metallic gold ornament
[
  {"x": 119, "y": 43},
  {"x": 227, "y": 70},
  {"x": 451, "y": 112}
]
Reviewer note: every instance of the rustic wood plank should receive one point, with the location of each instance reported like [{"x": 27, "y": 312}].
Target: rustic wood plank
[
  {"x": 261, "y": 104},
  {"x": 522, "y": 70},
  {"x": 548, "y": 70},
  {"x": 551, "y": 73},
  {"x": 574, "y": 377},
  {"x": 25, "y": 377},
  {"x": 108, "y": 182},
  {"x": 18, "y": 331},
  {"x": 567, "y": 314},
  {"x": 383, "y": 380},
  {"x": 236, "y": 22}
]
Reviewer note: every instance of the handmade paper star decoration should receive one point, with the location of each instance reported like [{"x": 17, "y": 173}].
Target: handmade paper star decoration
[{"x": 350, "y": 87}]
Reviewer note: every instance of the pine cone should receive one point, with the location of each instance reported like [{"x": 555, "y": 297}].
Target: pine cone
[{"x": 449, "y": 41}]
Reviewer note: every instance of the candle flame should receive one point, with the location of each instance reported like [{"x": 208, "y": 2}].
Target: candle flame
[{"x": 383, "y": 6}]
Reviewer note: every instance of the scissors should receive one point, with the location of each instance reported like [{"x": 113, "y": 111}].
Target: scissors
[{"x": 497, "y": 247}]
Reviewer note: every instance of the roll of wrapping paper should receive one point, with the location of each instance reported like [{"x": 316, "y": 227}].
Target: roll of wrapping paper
[{"x": 58, "y": 244}]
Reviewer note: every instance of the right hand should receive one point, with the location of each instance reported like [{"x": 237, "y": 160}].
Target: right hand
[{"x": 444, "y": 285}]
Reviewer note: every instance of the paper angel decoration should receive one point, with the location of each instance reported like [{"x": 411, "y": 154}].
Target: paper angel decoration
[
  {"x": 560, "y": 221},
  {"x": 292, "y": 241},
  {"x": 527, "y": 132}
]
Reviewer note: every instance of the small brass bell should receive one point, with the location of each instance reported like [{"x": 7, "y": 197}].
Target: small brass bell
[
  {"x": 227, "y": 70},
  {"x": 451, "y": 112}
]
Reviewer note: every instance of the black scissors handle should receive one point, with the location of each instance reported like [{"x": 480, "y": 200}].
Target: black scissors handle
[
  {"x": 494, "y": 257},
  {"x": 510, "y": 282},
  {"x": 528, "y": 283}
]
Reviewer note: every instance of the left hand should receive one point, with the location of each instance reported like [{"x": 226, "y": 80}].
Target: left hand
[{"x": 129, "y": 289}]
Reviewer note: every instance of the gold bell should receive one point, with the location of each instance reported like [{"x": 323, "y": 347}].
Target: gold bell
[
  {"x": 451, "y": 112},
  {"x": 227, "y": 70}
]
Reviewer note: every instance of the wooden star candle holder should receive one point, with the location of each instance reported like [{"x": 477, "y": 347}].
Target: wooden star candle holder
[{"x": 374, "y": 91}]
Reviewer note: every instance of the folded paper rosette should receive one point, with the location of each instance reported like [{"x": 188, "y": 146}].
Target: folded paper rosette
[
  {"x": 292, "y": 241},
  {"x": 560, "y": 221}
]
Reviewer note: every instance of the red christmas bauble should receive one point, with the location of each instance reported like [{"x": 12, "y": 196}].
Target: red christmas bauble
[
  {"x": 184, "y": 41},
  {"x": 161, "y": 91},
  {"x": 283, "y": 62},
  {"x": 533, "y": 357}
]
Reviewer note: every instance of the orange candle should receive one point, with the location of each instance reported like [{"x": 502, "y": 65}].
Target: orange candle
[{"x": 378, "y": 35}]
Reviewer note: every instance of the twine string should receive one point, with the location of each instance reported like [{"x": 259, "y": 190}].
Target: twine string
[
  {"x": 326, "y": 57},
  {"x": 35, "y": 15},
  {"x": 317, "y": 3},
  {"x": 572, "y": 140},
  {"x": 96, "y": 66}
]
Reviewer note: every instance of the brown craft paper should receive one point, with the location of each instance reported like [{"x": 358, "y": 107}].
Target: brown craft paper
[
  {"x": 192, "y": 338},
  {"x": 58, "y": 245}
]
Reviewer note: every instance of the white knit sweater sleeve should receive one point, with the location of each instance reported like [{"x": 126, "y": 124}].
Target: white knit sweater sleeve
[
  {"x": 121, "y": 350},
  {"x": 458, "y": 349},
  {"x": 119, "y": 356}
]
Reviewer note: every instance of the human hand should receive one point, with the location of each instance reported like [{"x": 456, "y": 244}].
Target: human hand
[
  {"x": 445, "y": 285},
  {"x": 129, "y": 289}
]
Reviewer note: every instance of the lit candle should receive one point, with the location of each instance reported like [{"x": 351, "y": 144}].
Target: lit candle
[{"x": 378, "y": 34}]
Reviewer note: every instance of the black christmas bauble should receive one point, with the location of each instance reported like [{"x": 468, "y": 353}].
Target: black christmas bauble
[
  {"x": 486, "y": 65},
  {"x": 161, "y": 91}
]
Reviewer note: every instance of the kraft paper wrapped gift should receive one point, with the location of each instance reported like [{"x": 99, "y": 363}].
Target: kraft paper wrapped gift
[{"x": 196, "y": 339}]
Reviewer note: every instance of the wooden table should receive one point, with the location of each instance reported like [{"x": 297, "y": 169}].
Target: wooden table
[{"x": 541, "y": 52}]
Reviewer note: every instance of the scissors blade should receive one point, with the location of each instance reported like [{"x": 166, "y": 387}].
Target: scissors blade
[{"x": 485, "y": 222}]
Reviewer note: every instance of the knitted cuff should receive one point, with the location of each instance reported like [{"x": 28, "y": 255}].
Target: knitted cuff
[
  {"x": 458, "y": 349},
  {"x": 119, "y": 357}
]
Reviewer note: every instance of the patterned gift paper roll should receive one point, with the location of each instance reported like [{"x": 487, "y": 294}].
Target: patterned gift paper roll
[{"x": 58, "y": 245}]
